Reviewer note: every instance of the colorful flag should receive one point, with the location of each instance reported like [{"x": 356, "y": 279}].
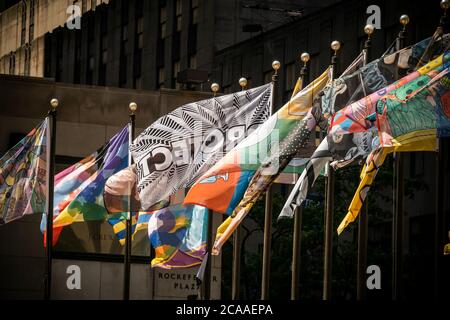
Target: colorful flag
[
  {"x": 178, "y": 148},
  {"x": 416, "y": 110},
  {"x": 408, "y": 119},
  {"x": 79, "y": 188},
  {"x": 357, "y": 116},
  {"x": 223, "y": 186},
  {"x": 178, "y": 234},
  {"x": 23, "y": 171},
  {"x": 343, "y": 149},
  {"x": 120, "y": 197},
  {"x": 273, "y": 145},
  {"x": 309, "y": 175}
]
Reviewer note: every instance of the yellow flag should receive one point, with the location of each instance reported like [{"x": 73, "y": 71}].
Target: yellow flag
[{"x": 424, "y": 140}]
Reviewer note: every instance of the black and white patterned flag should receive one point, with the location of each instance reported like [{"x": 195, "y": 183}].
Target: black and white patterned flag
[{"x": 180, "y": 146}]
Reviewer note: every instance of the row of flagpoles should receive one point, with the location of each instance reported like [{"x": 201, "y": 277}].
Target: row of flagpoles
[{"x": 255, "y": 182}]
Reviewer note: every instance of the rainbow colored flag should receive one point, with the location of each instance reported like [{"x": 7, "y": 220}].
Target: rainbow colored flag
[
  {"x": 79, "y": 188},
  {"x": 23, "y": 171},
  {"x": 178, "y": 235}
]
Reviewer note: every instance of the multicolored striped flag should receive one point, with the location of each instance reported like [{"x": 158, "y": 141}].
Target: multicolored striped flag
[
  {"x": 178, "y": 234},
  {"x": 23, "y": 171},
  {"x": 254, "y": 163},
  {"x": 79, "y": 188}
]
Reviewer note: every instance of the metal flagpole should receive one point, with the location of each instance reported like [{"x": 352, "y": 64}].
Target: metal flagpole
[
  {"x": 128, "y": 229},
  {"x": 329, "y": 204},
  {"x": 268, "y": 208},
  {"x": 236, "y": 269},
  {"x": 297, "y": 236},
  {"x": 364, "y": 215},
  {"x": 206, "y": 284},
  {"x": 397, "y": 194},
  {"x": 50, "y": 190}
]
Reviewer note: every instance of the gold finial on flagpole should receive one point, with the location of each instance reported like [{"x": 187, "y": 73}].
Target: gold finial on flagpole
[
  {"x": 276, "y": 65},
  {"x": 369, "y": 29},
  {"x": 404, "y": 20},
  {"x": 133, "y": 107},
  {"x": 305, "y": 57},
  {"x": 243, "y": 82},
  {"x": 54, "y": 103},
  {"x": 335, "y": 46},
  {"x": 215, "y": 88}
]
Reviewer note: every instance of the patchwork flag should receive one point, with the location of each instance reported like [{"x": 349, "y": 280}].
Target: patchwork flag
[
  {"x": 179, "y": 147},
  {"x": 408, "y": 120},
  {"x": 416, "y": 110},
  {"x": 357, "y": 116},
  {"x": 120, "y": 197},
  {"x": 273, "y": 145},
  {"x": 178, "y": 234},
  {"x": 23, "y": 171},
  {"x": 343, "y": 149},
  {"x": 79, "y": 188}
]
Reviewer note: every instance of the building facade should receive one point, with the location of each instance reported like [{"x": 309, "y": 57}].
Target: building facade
[{"x": 131, "y": 43}]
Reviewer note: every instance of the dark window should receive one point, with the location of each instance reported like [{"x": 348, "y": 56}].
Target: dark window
[
  {"x": 162, "y": 22},
  {"x": 193, "y": 61},
  {"x": 24, "y": 22},
  {"x": 77, "y": 64},
  {"x": 31, "y": 32},
  {"x": 175, "y": 69},
  {"x": 12, "y": 63},
  {"x": 123, "y": 69},
  {"x": 194, "y": 11},
  {"x": 140, "y": 33},
  {"x": 178, "y": 15},
  {"x": 161, "y": 77},
  {"x": 192, "y": 44},
  {"x": 103, "y": 48},
  {"x": 27, "y": 60},
  {"x": 59, "y": 56},
  {"x": 291, "y": 77}
]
